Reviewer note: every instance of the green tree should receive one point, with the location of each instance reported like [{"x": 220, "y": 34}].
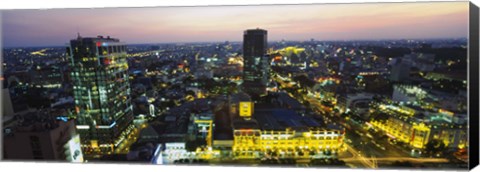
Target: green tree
[
  {"x": 194, "y": 144},
  {"x": 190, "y": 92},
  {"x": 434, "y": 146}
]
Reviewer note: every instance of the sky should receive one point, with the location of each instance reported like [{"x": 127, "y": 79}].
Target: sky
[{"x": 368, "y": 21}]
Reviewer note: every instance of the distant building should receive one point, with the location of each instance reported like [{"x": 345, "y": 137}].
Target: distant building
[
  {"x": 101, "y": 92},
  {"x": 408, "y": 93},
  {"x": 154, "y": 47},
  {"x": 18, "y": 84},
  {"x": 203, "y": 73},
  {"x": 400, "y": 71},
  {"x": 355, "y": 102},
  {"x": 255, "y": 62},
  {"x": 296, "y": 56},
  {"x": 424, "y": 62},
  {"x": 46, "y": 77}
]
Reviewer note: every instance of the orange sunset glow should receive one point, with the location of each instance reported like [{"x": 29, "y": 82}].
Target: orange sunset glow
[{"x": 221, "y": 23}]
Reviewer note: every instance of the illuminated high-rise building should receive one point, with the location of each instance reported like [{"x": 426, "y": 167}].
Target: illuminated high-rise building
[
  {"x": 255, "y": 62},
  {"x": 101, "y": 91}
]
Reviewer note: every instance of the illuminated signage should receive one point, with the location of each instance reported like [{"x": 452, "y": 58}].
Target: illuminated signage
[
  {"x": 83, "y": 127},
  {"x": 152, "y": 110},
  {"x": 62, "y": 118},
  {"x": 246, "y": 109}
]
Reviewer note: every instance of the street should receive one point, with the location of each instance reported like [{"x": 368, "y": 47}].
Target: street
[{"x": 364, "y": 149}]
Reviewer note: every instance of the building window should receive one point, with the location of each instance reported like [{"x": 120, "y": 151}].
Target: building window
[{"x": 36, "y": 148}]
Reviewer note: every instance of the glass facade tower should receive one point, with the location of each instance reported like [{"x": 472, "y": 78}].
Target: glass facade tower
[
  {"x": 101, "y": 92},
  {"x": 255, "y": 60}
]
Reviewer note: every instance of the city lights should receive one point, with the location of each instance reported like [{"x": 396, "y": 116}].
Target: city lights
[{"x": 268, "y": 97}]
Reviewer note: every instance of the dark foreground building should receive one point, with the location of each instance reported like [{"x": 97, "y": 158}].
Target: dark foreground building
[{"x": 41, "y": 135}]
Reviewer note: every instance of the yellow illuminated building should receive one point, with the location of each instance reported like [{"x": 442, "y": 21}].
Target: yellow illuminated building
[
  {"x": 395, "y": 128},
  {"x": 204, "y": 124},
  {"x": 395, "y": 109},
  {"x": 403, "y": 127},
  {"x": 94, "y": 143},
  {"x": 288, "y": 51},
  {"x": 251, "y": 143},
  {"x": 420, "y": 135}
]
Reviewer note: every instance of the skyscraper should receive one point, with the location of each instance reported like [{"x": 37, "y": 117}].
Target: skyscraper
[
  {"x": 101, "y": 91},
  {"x": 255, "y": 62}
]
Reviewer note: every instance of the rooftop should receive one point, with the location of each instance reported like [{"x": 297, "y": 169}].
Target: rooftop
[
  {"x": 98, "y": 38},
  {"x": 38, "y": 121},
  {"x": 255, "y": 31},
  {"x": 240, "y": 123},
  {"x": 281, "y": 119}
]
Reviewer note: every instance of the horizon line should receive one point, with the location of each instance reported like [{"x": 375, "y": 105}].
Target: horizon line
[{"x": 196, "y": 42}]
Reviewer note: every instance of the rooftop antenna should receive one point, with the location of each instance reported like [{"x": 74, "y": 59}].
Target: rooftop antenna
[{"x": 78, "y": 34}]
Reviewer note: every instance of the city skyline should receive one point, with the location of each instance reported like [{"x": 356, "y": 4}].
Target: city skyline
[
  {"x": 224, "y": 90},
  {"x": 205, "y": 24},
  {"x": 300, "y": 120}
]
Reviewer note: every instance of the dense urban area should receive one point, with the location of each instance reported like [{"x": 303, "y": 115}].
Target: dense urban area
[{"x": 312, "y": 103}]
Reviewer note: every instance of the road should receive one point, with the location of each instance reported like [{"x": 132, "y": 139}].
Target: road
[
  {"x": 370, "y": 143},
  {"x": 352, "y": 152},
  {"x": 357, "y": 156},
  {"x": 393, "y": 159},
  {"x": 364, "y": 147},
  {"x": 124, "y": 146}
]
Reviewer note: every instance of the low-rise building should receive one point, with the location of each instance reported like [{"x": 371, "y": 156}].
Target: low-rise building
[
  {"x": 283, "y": 133},
  {"x": 417, "y": 128}
]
